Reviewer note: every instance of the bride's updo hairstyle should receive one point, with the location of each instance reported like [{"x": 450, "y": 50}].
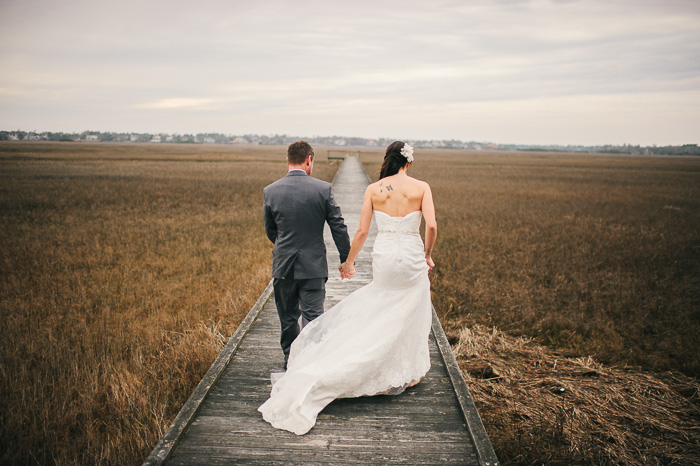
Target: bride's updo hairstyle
[{"x": 393, "y": 160}]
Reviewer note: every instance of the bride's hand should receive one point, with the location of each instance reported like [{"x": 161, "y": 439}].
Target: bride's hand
[
  {"x": 349, "y": 270},
  {"x": 429, "y": 261}
]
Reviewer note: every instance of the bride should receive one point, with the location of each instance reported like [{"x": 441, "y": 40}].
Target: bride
[{"x": 375, "y": 341}]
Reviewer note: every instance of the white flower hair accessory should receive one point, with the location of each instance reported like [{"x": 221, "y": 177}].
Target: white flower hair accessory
[{"x": 407, "y": 151}]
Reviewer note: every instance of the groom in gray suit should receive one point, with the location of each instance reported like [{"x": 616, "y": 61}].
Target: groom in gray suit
[{"x": 296, "y": 208}]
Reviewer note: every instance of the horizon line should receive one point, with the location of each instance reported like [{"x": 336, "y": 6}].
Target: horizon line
[{"x": 339, "y": 137}]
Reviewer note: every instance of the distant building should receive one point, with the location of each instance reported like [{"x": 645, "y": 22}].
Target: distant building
[
  {"x": 92, "y": 137},
  {"x": 134, "y": 138},
  {"x": 155, "y": 138},
  {"x": 209, "y": 140},
  {"x": 239, "y": 140},
  {"x": 169, "y": 139}
]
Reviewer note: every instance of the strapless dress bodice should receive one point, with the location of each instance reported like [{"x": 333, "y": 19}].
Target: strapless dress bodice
[{"x": 409, "y": 223}]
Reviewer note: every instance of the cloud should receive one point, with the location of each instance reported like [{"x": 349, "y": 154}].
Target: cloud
[
  {"x": 242, "y": 64},
  {"x": 179, "y": 103},
  {"x": 9, "y": 91}
]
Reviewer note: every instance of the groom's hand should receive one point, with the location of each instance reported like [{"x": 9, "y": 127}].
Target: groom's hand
[{"x": 346, "y": 271}]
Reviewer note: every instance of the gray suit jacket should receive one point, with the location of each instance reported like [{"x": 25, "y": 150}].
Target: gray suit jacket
[{"x": 296, "y": 208}]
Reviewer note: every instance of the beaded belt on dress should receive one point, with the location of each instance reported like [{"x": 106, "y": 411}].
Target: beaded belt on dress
[{"x": 405, "y": 232}]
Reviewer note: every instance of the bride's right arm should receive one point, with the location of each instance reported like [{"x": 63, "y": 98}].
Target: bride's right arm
[
  {"x": 428, "y": 209},
  {"x": 363, "y": 230}
]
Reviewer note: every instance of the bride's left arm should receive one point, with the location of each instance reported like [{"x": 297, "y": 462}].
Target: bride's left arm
[
  {"x": 428, "y": 209},
  {"x": 362, "y": 231}
]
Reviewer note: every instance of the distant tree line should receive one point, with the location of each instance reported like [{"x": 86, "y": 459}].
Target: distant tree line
[
  {"x": 283, "y": 139},
  {"x": 685, "y": 149}
]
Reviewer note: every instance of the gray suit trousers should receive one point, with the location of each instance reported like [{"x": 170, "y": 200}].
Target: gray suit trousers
[{"x": 294, "y": 298}]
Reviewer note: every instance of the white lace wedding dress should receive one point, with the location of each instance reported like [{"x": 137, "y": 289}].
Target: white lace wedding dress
[{"x": 374, "y": 341}]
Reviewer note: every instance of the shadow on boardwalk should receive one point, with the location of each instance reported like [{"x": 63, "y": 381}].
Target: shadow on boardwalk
[{"x": 433, "y": 422}]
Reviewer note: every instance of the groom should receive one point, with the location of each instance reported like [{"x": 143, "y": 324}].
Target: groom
[{"x": 296, "y": 208}]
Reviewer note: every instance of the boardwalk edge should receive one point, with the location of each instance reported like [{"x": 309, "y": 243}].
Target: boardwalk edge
[
  {"x": 484, "y": 449},
  {"x": 167, "y": 443},
  {"x": 482, "y": 444}
]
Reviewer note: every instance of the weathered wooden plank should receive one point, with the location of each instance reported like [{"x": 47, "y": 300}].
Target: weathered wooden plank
[
  {"x": 349, "y": 417},
  {"x": 242, "y": 456},
  {"x": 323, "y": 455},
  {"x": 206, "y": 440},
  {"x": 255, "y": 382},
  {"x": 436, "y": 392},
  {"x": 371, "y": 439},
  {"x": 234, "y": 401},
  {"x": 232, "y": 405},
  {"x": 346, "y": 416},
  {"x": 401, "y": 425},
  {"x": 390, "y": 404}
]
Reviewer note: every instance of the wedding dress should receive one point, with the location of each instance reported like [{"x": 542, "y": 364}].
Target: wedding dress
[{"x": 372, "y": 342}]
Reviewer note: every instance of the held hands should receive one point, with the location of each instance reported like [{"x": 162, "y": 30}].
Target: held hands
[{"x": 346, "y": 270}]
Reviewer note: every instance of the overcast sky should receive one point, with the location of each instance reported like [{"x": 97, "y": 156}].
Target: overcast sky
[{"x": 534, "y": 72}]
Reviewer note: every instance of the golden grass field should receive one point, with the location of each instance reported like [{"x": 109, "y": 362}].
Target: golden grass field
[
  {"x": 125, "y": 268},
  {"x": 589, "y": 255},
  {"x": 594, "y": 255}
]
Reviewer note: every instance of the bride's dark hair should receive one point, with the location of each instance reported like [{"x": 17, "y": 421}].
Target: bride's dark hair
[{"x": 393, "y": 160}]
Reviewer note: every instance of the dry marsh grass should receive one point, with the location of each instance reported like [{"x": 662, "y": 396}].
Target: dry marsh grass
[
  {"x": 591, "y": 256},
  {"x": 124, "y": 269},
  {"x": 541, "y": 408}
]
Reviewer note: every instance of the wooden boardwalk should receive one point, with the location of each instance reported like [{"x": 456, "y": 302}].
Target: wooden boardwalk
[{"x": 433, "y": 422}]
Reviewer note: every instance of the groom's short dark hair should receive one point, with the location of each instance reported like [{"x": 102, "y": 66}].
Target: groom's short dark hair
[{"x": 297, "y": 152}]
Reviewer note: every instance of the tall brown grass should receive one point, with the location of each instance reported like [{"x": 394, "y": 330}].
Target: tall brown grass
[
  {"x": 124, "y": 269},
  {"x": 595, "y": 257},
  {"x": 591, "y": 255},
  {"x": 541, "y": 408}
]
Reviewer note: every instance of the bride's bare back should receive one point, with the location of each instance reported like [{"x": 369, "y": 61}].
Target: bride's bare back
[{"x": 397, "y": 195}]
